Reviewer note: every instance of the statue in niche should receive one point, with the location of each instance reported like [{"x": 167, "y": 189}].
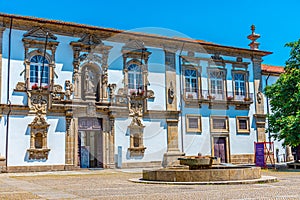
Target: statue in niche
[{"x": 89, "y": 84}]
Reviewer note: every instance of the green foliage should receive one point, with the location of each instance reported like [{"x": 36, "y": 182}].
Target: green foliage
[{"x": 284, "y": 96}]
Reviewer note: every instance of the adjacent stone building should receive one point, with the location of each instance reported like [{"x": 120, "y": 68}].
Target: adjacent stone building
[{"x": 78, "y": 96}]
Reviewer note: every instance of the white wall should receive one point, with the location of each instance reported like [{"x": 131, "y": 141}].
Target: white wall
[
  {"x": 19, "y": 141},
  {"x": 155, "y": 139}
]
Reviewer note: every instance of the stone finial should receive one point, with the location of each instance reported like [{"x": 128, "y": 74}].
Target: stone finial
[{"x": 253, "y": 37}]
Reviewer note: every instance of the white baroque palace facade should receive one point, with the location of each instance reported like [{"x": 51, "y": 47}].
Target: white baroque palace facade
[{"x": 78, "y": 96}]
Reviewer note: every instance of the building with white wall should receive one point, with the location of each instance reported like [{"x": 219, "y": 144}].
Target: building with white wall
[{"x": 76, "y": 96}]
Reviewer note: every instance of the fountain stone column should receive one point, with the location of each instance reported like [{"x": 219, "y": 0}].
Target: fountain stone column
[{"x": 173, "y": 152}]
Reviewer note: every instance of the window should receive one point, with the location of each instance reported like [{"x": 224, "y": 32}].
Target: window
[
  {"x": 242, "y": 124},
  {"x": 39, "y": 71},
  {"x": 216, "y": 84},
  {"x": 170, "y": 61},
  {"x": 190, "y": 80},
  {"x": 219, "y": 124},
  {"x": 135, "y": 77},
  {"x": 193, "y": 123},
  {"x": 240, "y": 85}
]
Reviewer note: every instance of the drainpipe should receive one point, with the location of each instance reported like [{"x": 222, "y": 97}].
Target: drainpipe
[
  {"x": 181, "y": 96},
  {"x": 8, "y": 102}
]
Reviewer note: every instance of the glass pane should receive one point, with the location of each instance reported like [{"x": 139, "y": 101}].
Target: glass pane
[
  {"x": 243, "y": 124},
  {"x": 193, "y": 122},
  {"x": 219, "y": 123}
]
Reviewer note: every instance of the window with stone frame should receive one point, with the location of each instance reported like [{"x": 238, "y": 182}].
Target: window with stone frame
[
  {"x": 219, "y": 124},
  {"x": 191, "y": 83},
  {"x": 240, "y": 84},
  {"x": 38, "y": 139},
  {"x": 193, "y": 123},
  {"x": 242, "y": 124},
  {"x": 40, "y": 48},
  {"x": 39, "y": 72},
  {"x": 135, "y": 78},
  {"x": 216, "y": 83},
  {"x": 135, "y": 68}
]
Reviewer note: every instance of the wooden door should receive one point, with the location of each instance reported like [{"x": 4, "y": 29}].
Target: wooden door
[{"x": 220, "y": 148}]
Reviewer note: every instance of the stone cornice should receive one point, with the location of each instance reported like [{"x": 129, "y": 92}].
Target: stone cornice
[{"x": 77, "y": 30}]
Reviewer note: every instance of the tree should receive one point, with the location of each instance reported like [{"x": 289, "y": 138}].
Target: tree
[{"x": 284, "y": 96}]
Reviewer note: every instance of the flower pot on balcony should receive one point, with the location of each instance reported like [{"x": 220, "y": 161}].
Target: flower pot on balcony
[
  {"x": 229, "y": 98},
  {"x": 34, "y": 87},
  {"x": 210, "y": 97},
  {"x": 190, "y": 96},
  {"x": 246, "y": 99}
]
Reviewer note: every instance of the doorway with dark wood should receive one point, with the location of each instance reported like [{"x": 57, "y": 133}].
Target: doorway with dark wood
[{"x": 220, "y": 149}]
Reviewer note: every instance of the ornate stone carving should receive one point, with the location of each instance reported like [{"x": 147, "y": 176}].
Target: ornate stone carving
[
  {"x": 90, "y": 54},
  {"x": 39, "y": 32},
  {"x": 68, "y": 89},
  {"x": 38, "y": 133},
  {"x": 111, "y": 88},
  {"x": 171, "y": 92},
  {"x": 90, "y": 39},
  {"x": 136, "y": 126},
  {"x": 259, "y": 97},
  {"x": 37, "y": 103},
  {"x": 57, "y": 93},
  {"x": 69, "y": 116},
  {"x": 21, "y": 86}
]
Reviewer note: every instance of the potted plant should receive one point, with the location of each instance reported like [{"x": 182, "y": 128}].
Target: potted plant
[
  {"x": 229, "y": 98},
  {"x": 132, "y": 92},
  {"x": 45, "y": 87},
  {"x": 246, "y": 99},
  {"x": 190, "y": 96},
  {"x": 210, "y": 97},
  {"x": 35, "y": 86},
  {"x": 140, "y": 92}
]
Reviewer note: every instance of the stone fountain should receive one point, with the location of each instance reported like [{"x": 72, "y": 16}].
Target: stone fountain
[{"x": 202, "y": 169}]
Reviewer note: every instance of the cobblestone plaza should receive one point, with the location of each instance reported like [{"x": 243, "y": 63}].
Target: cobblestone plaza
[{"x": 114, "y": 184}]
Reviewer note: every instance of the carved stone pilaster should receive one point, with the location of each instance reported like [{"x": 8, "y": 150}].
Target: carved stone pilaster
[
  {"x": 69, "y": 116},
  {"x": 259, "y": 105},
  {"x": 170, "y": 73},
  {"x": 260, "y": 120}
]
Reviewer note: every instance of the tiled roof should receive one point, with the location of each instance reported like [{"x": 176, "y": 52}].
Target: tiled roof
[{"x": 272, "y": 69}]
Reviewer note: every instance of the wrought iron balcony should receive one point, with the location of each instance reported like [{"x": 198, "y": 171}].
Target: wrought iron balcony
[{"x": 218, "y": 97}]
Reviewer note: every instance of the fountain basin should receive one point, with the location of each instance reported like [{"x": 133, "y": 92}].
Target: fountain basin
[
  {"x": 216, "y": 173},
  {"x": 196, "y": 162}
]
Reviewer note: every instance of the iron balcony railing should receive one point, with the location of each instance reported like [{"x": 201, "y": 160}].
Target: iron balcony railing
[{"x": 217, "y": 95}]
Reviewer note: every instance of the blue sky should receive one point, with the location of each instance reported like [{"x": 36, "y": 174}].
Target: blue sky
[{"x": 224, "y": 22}]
